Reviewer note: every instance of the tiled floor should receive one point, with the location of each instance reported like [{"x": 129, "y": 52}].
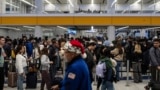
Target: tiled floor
[{"x": 118, "y": 86}]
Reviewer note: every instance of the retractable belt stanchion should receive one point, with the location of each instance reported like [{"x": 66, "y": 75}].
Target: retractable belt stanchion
[
  {"x": 95, "y": 79},
  {"x": 127, "y": 82},
  {"x": 64, "y": 67}
]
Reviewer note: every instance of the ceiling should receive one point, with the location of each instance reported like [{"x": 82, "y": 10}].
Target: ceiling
[{"x": 102, "y": 1}]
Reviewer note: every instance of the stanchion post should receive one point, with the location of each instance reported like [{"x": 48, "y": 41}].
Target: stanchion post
[
  {"x": 64, "y": 67},
  {"x": 95, "y": 79},
  {"x": 127, "y": 82}
]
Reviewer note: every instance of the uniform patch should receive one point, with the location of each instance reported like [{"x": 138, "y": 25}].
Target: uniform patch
[{"x": 71, "y": 75}]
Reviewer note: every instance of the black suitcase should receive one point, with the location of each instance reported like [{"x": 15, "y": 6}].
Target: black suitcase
[
  {"x": 156, "y": 84},
  {"x": 31, "y": 80}
]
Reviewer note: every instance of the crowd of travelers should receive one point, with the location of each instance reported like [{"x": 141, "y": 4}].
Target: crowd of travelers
[{"x": 77, "y": 58}]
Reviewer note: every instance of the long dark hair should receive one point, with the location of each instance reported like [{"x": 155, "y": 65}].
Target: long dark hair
[
  {"x": 119, "y": 46},
  {"x": 19, "y": 48},
  {"x": 44, "y": 51}
]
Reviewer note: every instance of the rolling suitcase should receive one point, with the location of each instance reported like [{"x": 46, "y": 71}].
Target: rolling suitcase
[
  {"x": 31, "y": 80},
  {"x": 12, "y": 79},
  {"x": 156, "y": 84}
]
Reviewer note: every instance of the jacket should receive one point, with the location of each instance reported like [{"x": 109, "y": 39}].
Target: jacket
[
  {"x": 77, "y": 76},
  {"x": 117, "y": 56},
  {"x": 155, "y": 56}
]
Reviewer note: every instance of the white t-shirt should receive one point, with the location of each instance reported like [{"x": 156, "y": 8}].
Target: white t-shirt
[{"x": 20, "y": 63}]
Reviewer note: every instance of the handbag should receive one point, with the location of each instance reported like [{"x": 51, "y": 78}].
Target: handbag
[{"x": 32, "y": 67}]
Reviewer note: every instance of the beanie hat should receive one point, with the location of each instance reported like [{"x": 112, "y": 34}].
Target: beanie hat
[{"x": 74, "y": 46}]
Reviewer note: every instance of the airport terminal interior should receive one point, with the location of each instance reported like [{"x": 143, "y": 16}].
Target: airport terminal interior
[{"x": 100, "y": 20}]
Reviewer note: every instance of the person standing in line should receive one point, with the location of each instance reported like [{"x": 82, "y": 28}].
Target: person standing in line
[
  {"x": 7, "y": 48},
  {"x": 154, "y": 54},
  {"x": 2, "y": 55},
  {"x": 45, "y": 65},
  {"x": 21, "y": 65},
  {"x": 118, "y": 53},
  {"x": 136, "y": 63},
  {"x": 90, "y": 58}
]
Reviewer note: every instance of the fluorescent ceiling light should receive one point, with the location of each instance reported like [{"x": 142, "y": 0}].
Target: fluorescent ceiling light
[
  {"x": 136, "y": 2},
  {"x": 125, "y": 10},
  {"x": 70, "y": 3},
  {"x": 26, "y": 2},
  {"x": 92, "y": 28},
  {"x": 152, "y": 28},
  {"x": 113, "y": 3},
  {"x": 61, "y": 27},
  {"x": 154, "y": 4},
  {"x": 11, "y": 4},
  {"x": 123, "y": 28},
  {"x": 48, "y": 2},
  {"x": 12, "y": 28},
  {"x": 92, "y": 1},
  {"x": 29, "y": 27}
]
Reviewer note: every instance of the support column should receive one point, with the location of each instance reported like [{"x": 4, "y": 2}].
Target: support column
[
  {"x": 111, "y": 33},
  {"x": 110, "y": 7},
  {"x": 39, "y": 6},
  {"x": 2, "y": 6},
  {"x": 38, "y": 32}
]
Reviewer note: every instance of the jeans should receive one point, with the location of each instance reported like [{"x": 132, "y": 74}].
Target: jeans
[
  {"x": 20, "y": 79},
  {"x": 118, "y": 69},
  {"x": 137, "y": 76},
  {"x": 20, "y": 82},
  {"x": 107, "y": 85}
]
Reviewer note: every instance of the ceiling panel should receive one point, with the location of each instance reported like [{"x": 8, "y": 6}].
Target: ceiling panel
[{"x": 103, "y": 1}]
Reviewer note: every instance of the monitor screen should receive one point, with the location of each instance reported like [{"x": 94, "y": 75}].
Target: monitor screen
[{"x": 73, "y": 32}]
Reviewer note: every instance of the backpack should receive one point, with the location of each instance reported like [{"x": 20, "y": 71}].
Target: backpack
[{"x": 101, "y": 70}]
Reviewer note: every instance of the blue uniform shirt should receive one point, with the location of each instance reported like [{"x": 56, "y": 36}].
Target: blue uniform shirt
[
  {"x": 29, "y": 49},
  {"x": 77, "y": 76}
]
